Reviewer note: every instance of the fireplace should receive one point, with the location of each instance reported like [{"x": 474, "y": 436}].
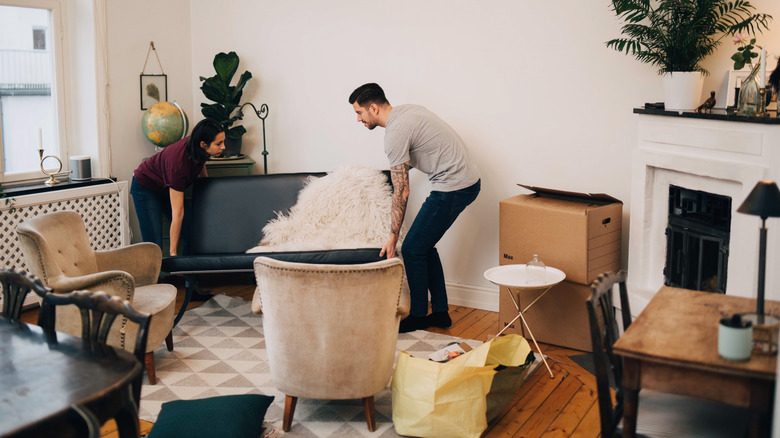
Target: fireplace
[
  {"x": 678, "y": 161},
  {"x": 697, "y": 240}
]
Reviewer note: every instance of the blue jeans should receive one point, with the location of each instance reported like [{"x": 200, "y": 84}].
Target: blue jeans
[
  {"x": 421, "y": 259},
  {"x": 150, "y": 208}
]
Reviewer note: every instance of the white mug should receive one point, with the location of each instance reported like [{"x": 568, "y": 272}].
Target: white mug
[{"x": 735, "y": 343}]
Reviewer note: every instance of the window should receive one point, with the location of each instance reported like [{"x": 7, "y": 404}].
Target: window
[{"x": 30, "y": 75}]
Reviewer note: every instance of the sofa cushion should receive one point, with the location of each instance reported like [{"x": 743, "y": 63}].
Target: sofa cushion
[
  {"x": 245, "y": 262},
  {"x": 229, "y": 212}
]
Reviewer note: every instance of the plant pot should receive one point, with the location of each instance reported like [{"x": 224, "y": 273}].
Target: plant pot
[
  {"x": 232, "y": 147},
  {"x": 682, "y": 90}
]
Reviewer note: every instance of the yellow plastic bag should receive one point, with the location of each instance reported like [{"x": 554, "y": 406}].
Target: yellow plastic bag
[
  {"x": 432, "y": 399},
  {"x": 510, "y": 355}
]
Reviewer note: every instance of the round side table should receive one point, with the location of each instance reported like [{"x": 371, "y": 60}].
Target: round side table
[{"x": 516, "y": 277}]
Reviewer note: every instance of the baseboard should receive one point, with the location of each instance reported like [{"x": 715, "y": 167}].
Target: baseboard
[{"x": 476, "y": 297}]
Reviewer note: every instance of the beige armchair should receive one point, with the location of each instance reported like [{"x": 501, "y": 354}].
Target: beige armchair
[
  {"x": 57, "y": 250},
  {"x": 330, "y": 330}
]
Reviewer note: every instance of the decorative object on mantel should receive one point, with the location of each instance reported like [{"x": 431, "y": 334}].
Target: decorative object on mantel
[
  {"x": 763, "y": 201},
  {"x": 698, "y": 28},
  {"x": 154, "y": 87},
  {"x": 227, "y": 99},
  {"x": 708, "y": 104},
  {"x": 774, "y": 81},
  {"x": 750, "y": 101}
]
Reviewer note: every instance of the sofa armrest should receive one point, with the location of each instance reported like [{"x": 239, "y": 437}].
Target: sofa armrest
[
  {"x": 141, "y": 260},
  {"x": 115, "y": 283}
]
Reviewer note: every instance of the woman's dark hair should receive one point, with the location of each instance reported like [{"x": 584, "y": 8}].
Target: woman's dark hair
[
  {"x": 206, "y": 130},
  {"x": 367, "y": 94}
]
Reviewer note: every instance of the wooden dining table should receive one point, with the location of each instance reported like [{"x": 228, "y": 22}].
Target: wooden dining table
[
  {"x": 672, "y": 347},
  {"x": 43, "y": 377}
]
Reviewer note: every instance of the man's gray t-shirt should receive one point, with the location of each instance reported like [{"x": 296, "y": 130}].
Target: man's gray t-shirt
[{"x": 414, "y": 134}]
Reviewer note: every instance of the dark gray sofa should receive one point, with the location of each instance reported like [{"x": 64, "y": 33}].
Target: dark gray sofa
[{"x": 228, "y": 215}]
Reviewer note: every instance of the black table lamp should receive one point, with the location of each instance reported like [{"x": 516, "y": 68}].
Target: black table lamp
[{"x": 763, "y": 201}]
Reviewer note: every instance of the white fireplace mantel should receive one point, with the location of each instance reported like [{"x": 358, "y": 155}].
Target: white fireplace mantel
[{"x": 716, "y": 156}]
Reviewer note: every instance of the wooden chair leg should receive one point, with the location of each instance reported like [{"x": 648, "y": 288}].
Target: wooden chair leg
[
  {"x": 149, "y": 363},
  {"x": 289, "y": 411},
  {"x": 368, "y": 409},
  {"x": 169, "y": 341}
]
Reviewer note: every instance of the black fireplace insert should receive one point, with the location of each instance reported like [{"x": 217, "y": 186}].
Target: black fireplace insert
[{"x": 697, "y": 240}]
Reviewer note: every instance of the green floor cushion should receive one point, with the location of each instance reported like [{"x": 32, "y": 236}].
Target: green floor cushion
[{"x": 229, "y": 416}]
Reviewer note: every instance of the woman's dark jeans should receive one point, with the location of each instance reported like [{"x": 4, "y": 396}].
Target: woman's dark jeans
[
  {"x": 421, "y": 259},
  {"x": 150, "y": 207}
]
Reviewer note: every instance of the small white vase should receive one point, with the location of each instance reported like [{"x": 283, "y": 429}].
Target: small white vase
[{"x": 682, "y": 90}]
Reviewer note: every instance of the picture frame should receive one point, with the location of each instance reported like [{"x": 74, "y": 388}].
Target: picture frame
[
  {"x": 154, "y": 88},
  {"x": 734, "y": 77}
]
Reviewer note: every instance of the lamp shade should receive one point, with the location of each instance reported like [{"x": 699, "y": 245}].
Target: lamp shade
[{"x": 763, "y": 200}]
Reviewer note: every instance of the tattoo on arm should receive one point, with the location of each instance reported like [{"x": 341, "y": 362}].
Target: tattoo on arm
[{"x": 400, "y": 177}]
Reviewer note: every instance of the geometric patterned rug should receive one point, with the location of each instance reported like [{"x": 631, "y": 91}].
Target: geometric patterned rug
[{"x": 219, "y": 349}]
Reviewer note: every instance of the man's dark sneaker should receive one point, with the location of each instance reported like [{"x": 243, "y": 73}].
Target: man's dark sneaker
[
  {"x": 412, "y": 323},
  {"x": 439, "y": 319}
]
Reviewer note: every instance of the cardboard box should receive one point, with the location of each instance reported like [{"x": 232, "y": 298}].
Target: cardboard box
[
  {"x": 558, "y": 318},
  {"x": 575, "y": 232}
]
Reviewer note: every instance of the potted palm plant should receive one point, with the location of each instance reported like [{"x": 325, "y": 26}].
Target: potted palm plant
[
  {"x": 226, "y": 99},
  {"x": 677, "y": 35}
]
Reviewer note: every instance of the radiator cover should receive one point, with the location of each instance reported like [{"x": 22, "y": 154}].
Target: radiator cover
[{"x": 103, "y": 208}]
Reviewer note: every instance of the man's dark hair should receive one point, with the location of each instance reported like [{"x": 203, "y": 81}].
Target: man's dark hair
[
  {"x": 206, "y": 130},
  {"x": 367, "y": 94}
]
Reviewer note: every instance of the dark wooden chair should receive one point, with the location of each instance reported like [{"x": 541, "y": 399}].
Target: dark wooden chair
[
  {"x": 660, "y": 414},
  {"x": 98, "y": 312},
  {"x": 16, "y": 286}
]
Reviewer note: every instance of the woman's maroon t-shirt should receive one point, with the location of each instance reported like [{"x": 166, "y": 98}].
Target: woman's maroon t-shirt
[{"x": 170, "y": 168}]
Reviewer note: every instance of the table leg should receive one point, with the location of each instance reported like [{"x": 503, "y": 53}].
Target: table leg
[
  {"x": 525, "y": 324},
  {"x": 631, "y": 370}
]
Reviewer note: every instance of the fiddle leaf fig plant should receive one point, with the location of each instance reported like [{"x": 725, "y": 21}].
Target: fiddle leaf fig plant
[
  {"x": 677, "y": 35},
  {"x": 226, "y": 97}
]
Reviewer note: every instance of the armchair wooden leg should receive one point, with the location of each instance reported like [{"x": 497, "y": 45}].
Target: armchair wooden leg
[
  {"x": 169, "y": 341},
  {"x": 368, "y": 409},
  {"x": 289, "y": 411},
  {"x": 149, "y": 363}
]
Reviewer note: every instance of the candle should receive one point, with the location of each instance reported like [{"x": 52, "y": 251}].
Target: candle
[
  {"x": 40, "y": 138},
  {"x": 763, "y": 68}
]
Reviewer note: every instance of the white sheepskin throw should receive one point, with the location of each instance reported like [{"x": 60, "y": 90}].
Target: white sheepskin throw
[{"x": 348, "y": 208}]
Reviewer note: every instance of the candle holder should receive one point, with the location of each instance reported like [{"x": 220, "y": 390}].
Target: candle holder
[
  {"x": 762, "y": 103},
  {"x": 51, "y": 181}
]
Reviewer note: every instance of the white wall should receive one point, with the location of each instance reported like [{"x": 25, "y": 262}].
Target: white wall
[
  {"x": 528, "y": 85},
  {"x": 131, "y": 26},
  {"x": 533, "y": 92}
]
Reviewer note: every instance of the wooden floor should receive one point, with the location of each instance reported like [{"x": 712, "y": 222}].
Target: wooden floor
[{"x": 551, "y": 407}]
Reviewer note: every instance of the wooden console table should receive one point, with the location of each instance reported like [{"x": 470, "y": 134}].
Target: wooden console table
[{"x": 672, "y": 347}]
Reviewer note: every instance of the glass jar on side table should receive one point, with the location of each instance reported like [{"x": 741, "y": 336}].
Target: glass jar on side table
[{"x": 516, "y": 279}]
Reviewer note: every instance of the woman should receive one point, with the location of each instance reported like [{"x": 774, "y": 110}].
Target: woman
[{"x": 158, "y": 183}]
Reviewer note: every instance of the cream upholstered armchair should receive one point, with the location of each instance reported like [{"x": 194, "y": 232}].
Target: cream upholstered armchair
[
  {"x": 57, "y": 250},
  {"x": 330, "y": 330}
]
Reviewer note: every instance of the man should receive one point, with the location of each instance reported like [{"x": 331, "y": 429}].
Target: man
[{"x": 415, "y": 137}]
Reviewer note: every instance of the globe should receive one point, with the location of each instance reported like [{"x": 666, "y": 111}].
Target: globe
[{"x": 164, "y": 123}]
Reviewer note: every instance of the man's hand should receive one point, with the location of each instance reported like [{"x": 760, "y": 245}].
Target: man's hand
[{"x": 389, "y": 247}]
